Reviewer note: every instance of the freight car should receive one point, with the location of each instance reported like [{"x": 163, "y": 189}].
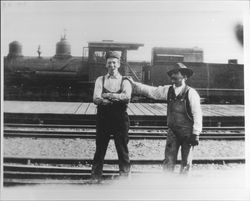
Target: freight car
[
  {"x": 64, "y": 77},
  {"x": 216, "y": 83}
]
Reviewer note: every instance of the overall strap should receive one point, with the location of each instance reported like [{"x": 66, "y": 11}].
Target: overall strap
[
  {"x": 104, "y": 89},
  {"x": 103, "y": 80},
  {"x": 123, "y": 78},
  {"x": 171, "y": 93},
  {"x": 186, "y": 98}
]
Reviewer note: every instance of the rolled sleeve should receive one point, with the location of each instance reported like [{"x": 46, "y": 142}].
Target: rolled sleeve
[
  {"x": 98, "y": 89},
  {"x": 157, "y": 93},
  {"x": 196, "y": 111}
]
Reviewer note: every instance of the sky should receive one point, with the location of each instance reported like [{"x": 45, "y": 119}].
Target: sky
[{"x": 185, "y": 24}]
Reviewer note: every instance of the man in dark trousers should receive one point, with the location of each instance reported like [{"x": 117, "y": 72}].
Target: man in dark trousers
[
  {"x": 112, "y": 94},
  {"x": 184, "y": 115}
]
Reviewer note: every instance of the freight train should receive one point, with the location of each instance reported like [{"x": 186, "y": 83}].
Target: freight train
[{"x": 64, "y": 77}]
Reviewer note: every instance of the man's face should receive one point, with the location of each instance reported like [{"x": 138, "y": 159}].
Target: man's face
[
  {"x": 112, "y": 65},
  {"x": 177, "y": 79}
]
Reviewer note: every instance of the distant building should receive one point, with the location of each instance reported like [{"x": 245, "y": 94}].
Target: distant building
[{"x": 163, "y": 54}]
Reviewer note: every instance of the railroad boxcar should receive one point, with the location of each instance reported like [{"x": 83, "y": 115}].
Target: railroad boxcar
[
  {"x": 216, "y": 83},
  {"x": 64, "y": 77}
]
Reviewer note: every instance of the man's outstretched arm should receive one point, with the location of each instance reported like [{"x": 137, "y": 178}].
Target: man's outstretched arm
[{"x": 157, "y": 93}]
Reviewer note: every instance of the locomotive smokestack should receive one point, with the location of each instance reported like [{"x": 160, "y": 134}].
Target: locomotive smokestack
[
  {"x": 63, "y": 49},
  {"x": 15, "y": 49}
]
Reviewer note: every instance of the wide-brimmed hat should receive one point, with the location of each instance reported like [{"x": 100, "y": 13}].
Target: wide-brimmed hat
[
  {"x": 180, "y": 67},
  {"x": 113, "y": 54}
]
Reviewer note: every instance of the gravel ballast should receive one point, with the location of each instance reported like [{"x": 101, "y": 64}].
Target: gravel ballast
[{"x": 138, "y": 149}]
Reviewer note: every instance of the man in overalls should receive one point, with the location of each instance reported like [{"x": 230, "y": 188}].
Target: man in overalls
[
  {"x": 112, "y": 94},
  {"x": 184, "y": 115}
]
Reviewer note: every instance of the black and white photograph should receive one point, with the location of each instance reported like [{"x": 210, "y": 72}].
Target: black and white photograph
[{"x": 125, "y": 100}]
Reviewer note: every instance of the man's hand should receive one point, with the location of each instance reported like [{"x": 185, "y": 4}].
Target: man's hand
[
  {"x": 106, "y": 102},
  {"x": 102, "y": 101},
  {"x": 193, "y": 140},
  {"x": 106, "y": 95},
  {"x": 110, "y": 97}
]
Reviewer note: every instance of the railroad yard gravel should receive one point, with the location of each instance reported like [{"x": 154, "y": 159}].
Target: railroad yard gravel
[{"x": 138, "y": 149}]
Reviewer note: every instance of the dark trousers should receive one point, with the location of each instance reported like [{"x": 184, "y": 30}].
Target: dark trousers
[{"x": 108, "y": 123}]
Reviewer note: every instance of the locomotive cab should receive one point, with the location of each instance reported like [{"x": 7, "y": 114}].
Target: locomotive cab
[{"x": 96, "y": 57}]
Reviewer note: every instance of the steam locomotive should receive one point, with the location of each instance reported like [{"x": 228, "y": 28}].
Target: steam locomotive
[{"x": 64, "y": 77}]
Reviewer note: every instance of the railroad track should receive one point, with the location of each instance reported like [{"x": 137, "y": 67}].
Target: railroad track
[
  {"x": 93, "y": 126},
  {"x": 135, "y": 132},
  {"x": 27, "y": 170}
]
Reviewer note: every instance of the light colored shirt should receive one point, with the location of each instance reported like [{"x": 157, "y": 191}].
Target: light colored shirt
[
  {"x": 113, "y": 84},
  {"x": 161, "y": 92}
]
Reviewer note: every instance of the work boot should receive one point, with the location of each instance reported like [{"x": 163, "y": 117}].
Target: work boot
[
  {"x": 125, "y": 175},
  {"x": 96, "y": 179},
  {"x": 185, "y": 170},
  {"x": 167, "y": 166}
]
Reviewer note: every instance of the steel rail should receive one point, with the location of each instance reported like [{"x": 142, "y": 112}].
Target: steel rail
[
  {"x": 134, "y": 136},
  {"x": 132, "y": 131},
  {"x": 150, "y": 134},
  {"x": 16, "y": 174},
  {"x": 78, "y": 161},
  {"x": 93, "y": 126},
  {"x": 28, "y": 170}
]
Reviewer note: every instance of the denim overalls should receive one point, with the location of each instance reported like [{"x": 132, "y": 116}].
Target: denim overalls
[
  {"x": 180, "y": 124},
  {"x": 111, "y": 119}
]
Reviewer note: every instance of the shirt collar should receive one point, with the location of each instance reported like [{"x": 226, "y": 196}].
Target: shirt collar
[{"x": 115, "y": 76}]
